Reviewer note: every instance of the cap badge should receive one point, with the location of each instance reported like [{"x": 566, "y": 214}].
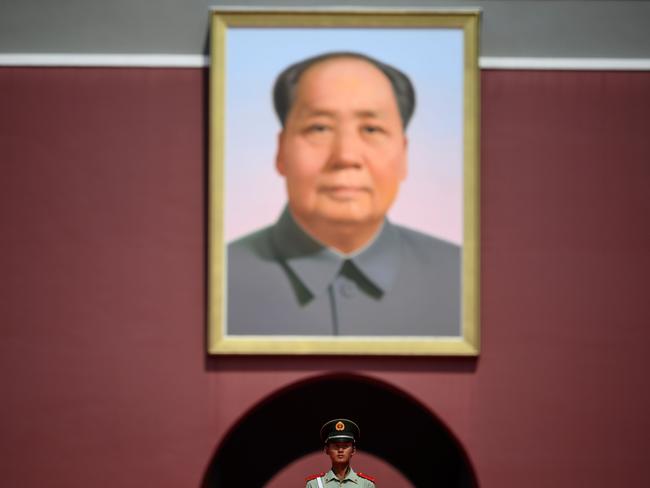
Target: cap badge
[{"x": 339, "y": 426}]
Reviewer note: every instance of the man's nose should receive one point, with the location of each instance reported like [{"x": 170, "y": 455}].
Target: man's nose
[{"x": 346, "y": 150}]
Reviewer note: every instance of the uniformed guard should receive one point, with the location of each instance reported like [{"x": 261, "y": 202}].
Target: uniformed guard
[{"x": 340, "y": 437}]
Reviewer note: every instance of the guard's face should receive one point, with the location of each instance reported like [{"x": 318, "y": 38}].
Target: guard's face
[
  {"x": 340, "y": 452},
  {"x": 343, "y": 149}
]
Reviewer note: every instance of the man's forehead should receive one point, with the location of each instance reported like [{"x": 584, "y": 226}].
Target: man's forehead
[
  {"x": 325, "y": 84},
  {"x": 307, "y": 109},
  {"x": 343, "y": 67}
]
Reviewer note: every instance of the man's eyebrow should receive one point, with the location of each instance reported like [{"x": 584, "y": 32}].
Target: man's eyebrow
[
  {"x": 368, "y": 113},
  {"x": 317, "y": 112}
]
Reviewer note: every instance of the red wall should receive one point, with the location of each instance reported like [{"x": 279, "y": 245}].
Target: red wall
[{"x": 102, "y": 286}]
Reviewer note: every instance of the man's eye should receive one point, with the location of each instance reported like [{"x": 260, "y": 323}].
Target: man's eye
[
  {"x": 372, "y": 129},
  {"x": 317, "y": 128}
]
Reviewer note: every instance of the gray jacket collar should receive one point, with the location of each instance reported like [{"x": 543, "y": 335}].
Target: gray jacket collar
[{"x": 317, "y": 266}]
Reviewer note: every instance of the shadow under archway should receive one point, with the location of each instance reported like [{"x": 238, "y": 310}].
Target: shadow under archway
[{"x": 394, "y": 427}]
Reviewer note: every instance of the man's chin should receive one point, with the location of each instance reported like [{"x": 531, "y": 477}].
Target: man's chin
[
  {"x": 346, "y": 220},
  {"x": 338, "y": 219},
  {"x": 346, "y": 215}
]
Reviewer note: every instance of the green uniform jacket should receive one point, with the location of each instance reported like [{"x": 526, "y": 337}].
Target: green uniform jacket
[{"x": 351, "y": 480}]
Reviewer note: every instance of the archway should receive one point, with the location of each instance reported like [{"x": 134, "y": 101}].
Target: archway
[{"x": 395, "y": 428}]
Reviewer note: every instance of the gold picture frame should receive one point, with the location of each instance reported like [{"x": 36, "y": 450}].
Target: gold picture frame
[{"x": 224, "y": 23}]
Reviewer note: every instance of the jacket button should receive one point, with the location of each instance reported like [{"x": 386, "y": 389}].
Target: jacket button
[{"x": 348, "y": 290}]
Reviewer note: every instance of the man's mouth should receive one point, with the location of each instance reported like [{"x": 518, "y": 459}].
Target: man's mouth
[{"x": 344, "y": 192}]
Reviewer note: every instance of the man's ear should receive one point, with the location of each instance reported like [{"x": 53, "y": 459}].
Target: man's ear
[
  {"x": 404, "y": 163},
  {"x": 279, "y": 155}
]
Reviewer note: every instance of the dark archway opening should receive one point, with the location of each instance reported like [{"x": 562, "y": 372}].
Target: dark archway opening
[{"x": 395, "y": 427}]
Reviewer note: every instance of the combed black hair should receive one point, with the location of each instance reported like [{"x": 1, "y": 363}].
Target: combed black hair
[{"x": 284, "y": 89}]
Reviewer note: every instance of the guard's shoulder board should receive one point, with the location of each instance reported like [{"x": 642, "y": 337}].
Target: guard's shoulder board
[
  {"x": 366, "y": 476},
  {"x": 314, "y": 476}
]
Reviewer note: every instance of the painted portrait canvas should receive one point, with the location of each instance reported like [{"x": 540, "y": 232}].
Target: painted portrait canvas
[{"x": 343, "y": 183}]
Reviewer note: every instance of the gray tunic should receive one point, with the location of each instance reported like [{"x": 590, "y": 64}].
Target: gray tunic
[{"x": 282, "y": 282}]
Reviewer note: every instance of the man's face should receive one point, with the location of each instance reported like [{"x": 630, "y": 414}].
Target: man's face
[
  {"x": 340, "y": 452},
  {"x": 343, "y": 149}
]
